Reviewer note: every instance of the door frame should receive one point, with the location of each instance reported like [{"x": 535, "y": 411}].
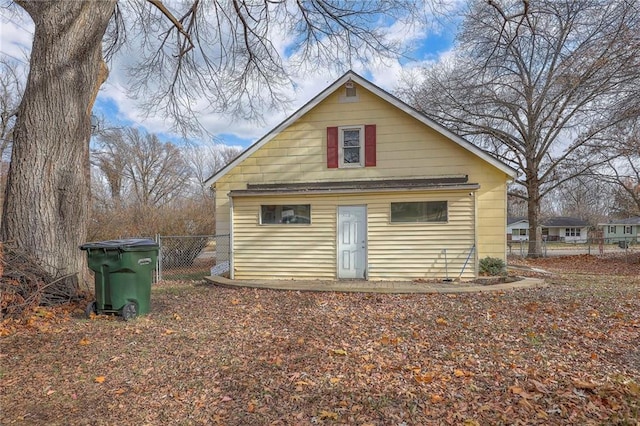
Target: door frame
[{"x": 365, "y": 272}]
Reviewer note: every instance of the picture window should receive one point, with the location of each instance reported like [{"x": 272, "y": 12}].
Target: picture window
[
  {"x": 421, "y": 211},
  {"x": 285, "y": 214}
]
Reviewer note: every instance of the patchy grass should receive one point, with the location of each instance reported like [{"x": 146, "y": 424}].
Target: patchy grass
[{"x": 567, "y": 354}]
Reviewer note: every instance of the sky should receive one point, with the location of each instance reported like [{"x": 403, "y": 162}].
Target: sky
[{"x": 425, "y": 44}]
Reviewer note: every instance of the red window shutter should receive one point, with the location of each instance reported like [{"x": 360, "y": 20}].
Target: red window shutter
[
  {"x": 370, "y": 145},
  {"x": 332, "y": 147}
]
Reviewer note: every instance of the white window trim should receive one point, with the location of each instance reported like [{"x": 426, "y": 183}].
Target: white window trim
[
  {"x": 279, "y": 222},
  {"x": 341, "y": 162},
  {"x": 425, "y": 222},
  {"x": 572, "y": 232},
  {"x": 629, "y": 228}
]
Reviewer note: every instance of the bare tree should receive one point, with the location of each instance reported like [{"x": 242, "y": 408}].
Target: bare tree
[
  {"x": 221, "y": 50},
  {"x": 152, "y": 172},
  {"x": 624, "y": 170},
  {"x": 207, "y": 158},
  {"x": 538, "y": 84},
  {"x": 110, "y": 158},
  {"x": 155, "y": 170},
  {"x": 10, "y": 92},
  {"x": 585, "y": 197}
]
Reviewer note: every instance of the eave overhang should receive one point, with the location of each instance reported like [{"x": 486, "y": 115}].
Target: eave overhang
[{"x": 352, "y": 187}]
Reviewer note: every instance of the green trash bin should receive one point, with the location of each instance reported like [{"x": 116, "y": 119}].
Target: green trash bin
[{"x": 123, "y": 275}]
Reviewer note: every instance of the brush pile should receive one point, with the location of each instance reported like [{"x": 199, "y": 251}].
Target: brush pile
[{"x": 25, "y": 284}]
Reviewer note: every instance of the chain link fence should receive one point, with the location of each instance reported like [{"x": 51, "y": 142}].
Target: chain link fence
[
  {"x": 191, "y": 257},
  {"x": 197, "y": 256},
  {"x": 593, "y": 246}
]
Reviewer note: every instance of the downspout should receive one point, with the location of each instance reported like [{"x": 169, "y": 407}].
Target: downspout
[
  {"x": 476, "y": 260},
  {"x": 231, "y": 268}
]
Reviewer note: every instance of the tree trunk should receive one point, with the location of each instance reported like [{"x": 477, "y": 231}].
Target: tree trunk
[
  {"x": 47, "y": 196},
  {"x": 533, "y": 216}
]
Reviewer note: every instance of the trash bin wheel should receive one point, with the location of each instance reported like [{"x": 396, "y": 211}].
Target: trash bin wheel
[
  {"x": 92, "y": 308},
  {"x": 129, "y": 311}
]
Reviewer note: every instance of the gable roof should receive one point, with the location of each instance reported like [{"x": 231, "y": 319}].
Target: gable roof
[
  {"x": 552, "y": 222},
  {"x": 627, "y": 221},
  {"x": 366, "y": 84},
  {"x": 561, "y": 221},
  {"x": 514, "y": 220}
]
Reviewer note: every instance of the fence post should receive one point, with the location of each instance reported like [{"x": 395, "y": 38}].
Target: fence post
[{"x": 159, "y": 265}]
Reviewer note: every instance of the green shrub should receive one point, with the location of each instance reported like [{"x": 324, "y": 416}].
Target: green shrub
[{"x": 492, "y": 266}]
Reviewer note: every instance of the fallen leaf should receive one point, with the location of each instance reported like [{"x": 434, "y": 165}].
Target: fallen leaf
[
  {"x": 368, "y": 367},
  {"x": 521, "y": 392},
  {"x": 84, "y": 341},
  {"x": 441, "y": 321},
  {"x": 424, "y": 378},
  {"x": 328, "y": 415},
  {"x": 434, "y": 398},
  {"x": 340, "y": 352},
  {"x": 539, "y": 386},
  {"x": 579, "y": 384},
  {"x": 99, "y": 379}
]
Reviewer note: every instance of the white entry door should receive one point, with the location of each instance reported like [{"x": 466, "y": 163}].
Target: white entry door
[{"x": 352, "y": 241}]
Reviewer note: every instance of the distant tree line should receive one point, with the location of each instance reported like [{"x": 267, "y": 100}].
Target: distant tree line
[{"x": 142, "y": 185}]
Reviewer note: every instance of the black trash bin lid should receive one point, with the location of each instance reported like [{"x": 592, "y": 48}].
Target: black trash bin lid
[{"x": 124, "y": 245}]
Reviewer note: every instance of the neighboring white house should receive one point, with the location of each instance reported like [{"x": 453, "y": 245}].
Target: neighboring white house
[
  {"x": 566, "y": 229},
  {"x": 617, "y": 230},
  {"x": 517, "y": 229}
]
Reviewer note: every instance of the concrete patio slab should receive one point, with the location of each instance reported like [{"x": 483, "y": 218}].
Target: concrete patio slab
[{"x": 390, "y": 287}]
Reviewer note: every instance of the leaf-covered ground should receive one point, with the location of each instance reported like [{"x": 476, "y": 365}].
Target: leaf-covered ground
[{"x": 566, "y": 354}]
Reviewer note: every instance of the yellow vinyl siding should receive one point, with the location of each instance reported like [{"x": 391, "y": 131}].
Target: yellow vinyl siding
[
  {"x": 283, "y": 251},
  {"x": 409, "y": 251},
  {"x": 395, "y": 251},
  {"x": 405, "y": 147}
]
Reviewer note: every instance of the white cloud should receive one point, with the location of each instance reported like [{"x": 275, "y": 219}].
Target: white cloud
[{"x": 16, "y": 33}]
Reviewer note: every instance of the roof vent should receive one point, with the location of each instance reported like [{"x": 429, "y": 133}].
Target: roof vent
[{"x": 350, "y": 89}]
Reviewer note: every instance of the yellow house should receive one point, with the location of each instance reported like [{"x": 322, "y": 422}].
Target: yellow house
[{"x": 358, "y": 185}]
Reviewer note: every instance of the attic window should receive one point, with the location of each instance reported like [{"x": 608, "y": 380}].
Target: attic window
[
  {"x": 351, "y": 146},
  {"x": 351, "y": 153}
]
